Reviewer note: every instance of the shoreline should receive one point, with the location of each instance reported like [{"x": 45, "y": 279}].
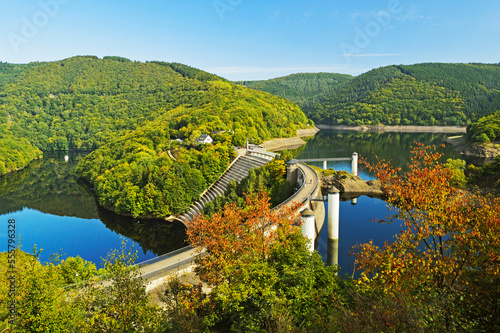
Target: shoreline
[
  {"x": 295, "y": 142},
  {"x": 290, "y": 143},
  {"x": 407, "y": 129},
  {"x": 487, "y": 151}
]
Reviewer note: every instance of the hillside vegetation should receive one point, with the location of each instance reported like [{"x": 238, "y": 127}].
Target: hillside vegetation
[
  {"x": 305, "y": 89},
  {"x": 83, "y": 102},
  {"x": 15, "y": 153},
  {"x": 486, "y": 129},
  {"x": 130, "y": 112},
  {"x": 422, "y": 94},
  {"x": 135, "y": 175}
]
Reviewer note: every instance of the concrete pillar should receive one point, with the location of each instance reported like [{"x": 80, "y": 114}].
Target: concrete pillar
[
  {"x": 354, "y": 164},
  {"x": 309, "y": 227},
  {"x": 325, "y": 165},
  {"x": 333, "y": 213},
  {"x": 333, "y": 227}
]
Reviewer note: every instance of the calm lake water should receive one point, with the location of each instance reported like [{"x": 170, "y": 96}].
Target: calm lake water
[
  {"x": 356, "y": 226},
  {"x": 55, "y": 212}
]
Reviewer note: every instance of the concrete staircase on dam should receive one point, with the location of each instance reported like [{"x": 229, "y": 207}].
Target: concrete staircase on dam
[{"x": 237, "y": 171}]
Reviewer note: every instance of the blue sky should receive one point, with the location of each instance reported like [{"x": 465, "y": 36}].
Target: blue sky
[{"x": 254, "y": 39}]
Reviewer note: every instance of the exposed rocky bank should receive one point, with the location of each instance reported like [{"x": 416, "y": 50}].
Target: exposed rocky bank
[
  {"x": 408, "y": 129},
  {"x": 489, "y": 150},
  {"x": 351, "y": 186},
  {"x": 290, "y": 143}
]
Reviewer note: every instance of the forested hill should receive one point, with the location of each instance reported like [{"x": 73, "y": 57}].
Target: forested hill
[
  {"x": 422, "y": 94},
  {"x": 83, "y": 102},
  {"x": 305, "y": 89}
]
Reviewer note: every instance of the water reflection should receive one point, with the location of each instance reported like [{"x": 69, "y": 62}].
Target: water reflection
[
  {"x": 155, "y": 235},
  {"x": 57, "y": 213},
  {"x": 358, "y": 215},
  {"x": 394, "y": 147},
  {"x": 49, "y": 186}
]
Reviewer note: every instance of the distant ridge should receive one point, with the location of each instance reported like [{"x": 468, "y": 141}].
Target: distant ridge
[
  {"x": 305, "y": 89},
  {"x": 425, "y": 94}
]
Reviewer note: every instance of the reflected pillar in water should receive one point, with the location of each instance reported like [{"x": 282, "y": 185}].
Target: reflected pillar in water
[
  {"x": 354, "y": 164},
  {"x": 309, "y": 227},
  {"x": 332, "y": 252},
  {"x": 333, "y": 226}
]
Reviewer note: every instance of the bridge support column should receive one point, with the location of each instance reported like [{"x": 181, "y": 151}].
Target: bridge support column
[
  {"x": 325, "y": 165},
  {"x": 333, "y": 226},
  {"x": 309, "y": 227},
  {"x": 354, "y": 164}
]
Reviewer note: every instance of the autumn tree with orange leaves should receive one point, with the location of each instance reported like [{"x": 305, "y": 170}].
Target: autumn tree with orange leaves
[
  {"x": 447, "y": 256},
  {"x": 236, "y": 235},
  {"x": 262, "y": 274}
]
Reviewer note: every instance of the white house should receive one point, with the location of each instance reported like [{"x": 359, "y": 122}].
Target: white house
[{"x": 204, "y": 139}]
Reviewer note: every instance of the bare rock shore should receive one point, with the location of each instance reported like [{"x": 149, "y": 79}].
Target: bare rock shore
[
  {"x": 489, "y": 150},
  {"x": 290, "y": 143},
  {"x": 408, "y": 129},
  {"x": 350, "y": 186}
]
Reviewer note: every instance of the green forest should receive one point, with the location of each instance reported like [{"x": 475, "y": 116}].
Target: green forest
[
  {"x": 421, "y": 94},
  {"x": 486, "y": 129},
  {"x": 84, "y": 102},
  {"x": 128, "y": 113},
  {"x": 305, "y": 89},
  {"x": 15, "y": 153},
  {"x": 136, "y": 175}
]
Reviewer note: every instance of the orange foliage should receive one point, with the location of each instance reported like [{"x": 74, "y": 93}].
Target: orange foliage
[
  {"x": 450, "y": 240},
  {"x": 234, "y": 235}
]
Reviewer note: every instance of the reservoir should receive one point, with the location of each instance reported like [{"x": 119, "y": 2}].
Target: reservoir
[
  {"x": 357, "y": 220},
  {"x": 57, "y": 214}
]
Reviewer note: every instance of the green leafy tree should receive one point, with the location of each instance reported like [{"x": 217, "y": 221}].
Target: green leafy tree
[
  {"x": 120, "y": 303},
  {"x": 41, "y": 302},
  {"x": 75, "y": 269}
]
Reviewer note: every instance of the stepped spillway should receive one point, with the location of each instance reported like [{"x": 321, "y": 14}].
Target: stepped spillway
[{"x": 237, "y": 171}]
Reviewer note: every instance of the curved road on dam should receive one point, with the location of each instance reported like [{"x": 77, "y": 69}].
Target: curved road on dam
[{"x": 154, "y": 270}]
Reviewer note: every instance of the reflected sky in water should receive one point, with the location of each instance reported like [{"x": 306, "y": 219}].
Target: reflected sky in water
[{"x": 357, "y": 223}]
